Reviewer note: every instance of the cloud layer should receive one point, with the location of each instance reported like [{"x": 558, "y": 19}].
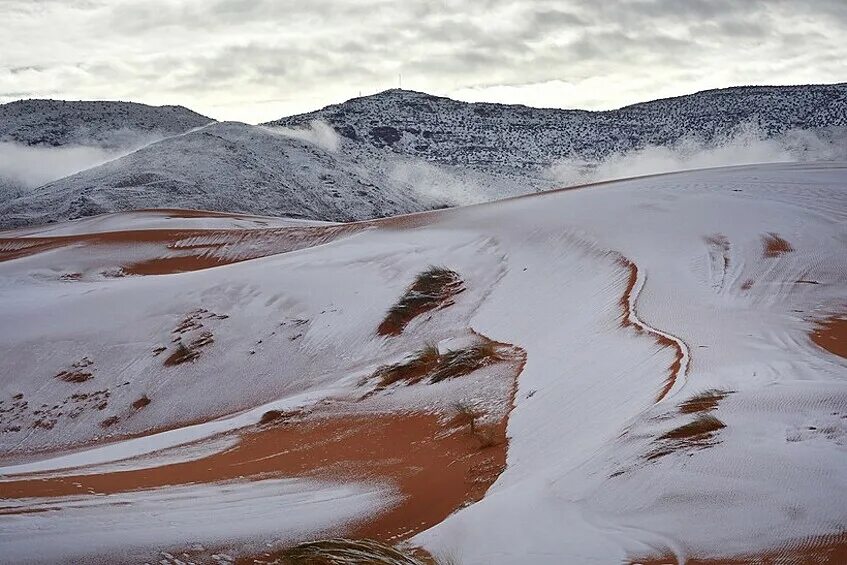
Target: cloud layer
[
  {"x": 256, "y": 60},
  {"x": 747, "y": 145}
]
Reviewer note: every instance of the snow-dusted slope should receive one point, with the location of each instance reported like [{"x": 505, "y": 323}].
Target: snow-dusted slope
[
  {"x": 228, "y": 166},
  {"x": 44, "y": 140},
  {"x": 110, "y": 125},
  {"x": 672, "y": 402},
  {"x": 518, "y": 137},
  {"x": 400, "y": 151}
]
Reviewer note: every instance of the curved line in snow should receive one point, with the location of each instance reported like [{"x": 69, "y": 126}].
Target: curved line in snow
[{"x": 682, "y": 363}]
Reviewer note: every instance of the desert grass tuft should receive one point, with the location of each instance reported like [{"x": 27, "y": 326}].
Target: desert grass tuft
[
  {"x": 182, "y": 354},
  {"x": 460, "y": 362},
  {"x": 185, "y": 353},
  {"x": 431, "y": 365},
  {"x": 433, "y": 288},
  {"x": 466, "y": 415},
  {"x": 412, "y": 370},
  {"x": 487, "y": 437},
  {"x": 340, "y": 551}
]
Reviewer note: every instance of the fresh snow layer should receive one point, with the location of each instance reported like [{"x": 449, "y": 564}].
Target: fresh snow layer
[
  {"x": 159, "y": 219},
  {"x": 398, "y": 151},
  {"x": 544, "y": 273},
  {"x": 121, "y": 525}
]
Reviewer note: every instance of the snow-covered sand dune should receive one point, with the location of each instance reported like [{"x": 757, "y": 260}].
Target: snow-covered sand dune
[{"x": 670, "y": 402}]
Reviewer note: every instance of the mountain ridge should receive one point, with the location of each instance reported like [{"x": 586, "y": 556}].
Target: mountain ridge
[{"x": 403, "y": 151}]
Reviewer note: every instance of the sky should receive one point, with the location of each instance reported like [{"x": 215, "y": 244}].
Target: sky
[{"x": 257, "y": 60}]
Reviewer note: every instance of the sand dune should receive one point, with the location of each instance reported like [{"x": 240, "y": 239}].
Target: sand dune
[{"x": 650, "y": 370}]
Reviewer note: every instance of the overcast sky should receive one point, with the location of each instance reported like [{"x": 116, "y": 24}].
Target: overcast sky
[{"x": 255, "y": 60}]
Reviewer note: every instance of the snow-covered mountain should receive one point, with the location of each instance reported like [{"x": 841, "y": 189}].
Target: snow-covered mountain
[
  {"x": 103, "y": 124},
  {"x": 401, "y": 151},
  {"x": 226, "y": 166},
  {"x": 44, "y": 140},
  {"x": 509, "y": 136}
]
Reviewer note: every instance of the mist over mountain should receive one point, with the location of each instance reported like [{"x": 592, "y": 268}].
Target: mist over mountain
[
  {"x": 43, "y": 140},
  {"x": 390, "y": 153}
]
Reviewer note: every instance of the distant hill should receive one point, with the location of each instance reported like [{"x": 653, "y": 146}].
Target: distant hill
[
  {"x": 224, "y": 166},
  {"x": 104, "y": 124},
  {"x": 513, "y": 136},
  {"x": 394, "y": 152}
]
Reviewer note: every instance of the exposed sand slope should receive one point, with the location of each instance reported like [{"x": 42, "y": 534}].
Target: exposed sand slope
[{"x": 677, "y": 398}]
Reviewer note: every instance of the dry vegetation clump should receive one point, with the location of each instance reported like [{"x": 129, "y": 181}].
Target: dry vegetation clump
[
  {"x": 185, "y": 353},
  {"x": 77, "y": 374},
  {"x": 433, "y": 288},
  {"x": 412, "y": 370},
  {"x": 466, "y": 415},
  {"x": 705, "y": 401},
  {"x": 435, "y": 367},
  {"x": 347, "y": 552},
  {"x": 279, "y": 416},
  {"x": 109, "y": 422},
  {"x": 460, "y": 362},
  {"x": 695, "y": 435},
  {"x": 141, "y": 402}
]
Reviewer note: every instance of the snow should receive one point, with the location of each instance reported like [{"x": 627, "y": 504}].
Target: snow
[
  {"x": 293, "y": 510},
  {"x": 544, "y": 273},
  {"x": 159, "y": 219},
  {"x": 399, "y": 152},
  {"x": 564, "y": 439}
]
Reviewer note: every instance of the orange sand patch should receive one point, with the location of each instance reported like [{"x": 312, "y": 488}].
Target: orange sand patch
[
  {"x": 438, "y": 470},
  {"x": 436, "y": 463},
  {"x": 175, "y": 251},
  {"x": 775, "y": 245},
  {"x": 822, "y": 550},
  {"x": 706, "y": 401},
  {"x": 185, "y": 213},
  {"x": 831, "y": 335}
]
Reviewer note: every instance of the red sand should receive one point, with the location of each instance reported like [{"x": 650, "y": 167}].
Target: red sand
[
  {"x": 176, "y": 250},
  {"x": 831, "y": 335},
  {"x": 438, "y": 466},
  {"x": 775, "y": 245}
]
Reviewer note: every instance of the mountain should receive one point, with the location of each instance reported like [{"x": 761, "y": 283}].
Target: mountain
[
  {"x": 519, "y": 137},
  {"x": 226, "y": 166},
  {"x": 54, "y": 123},
  {"x": 44, "y": 140},
  {"x": 401, "y": 151}
]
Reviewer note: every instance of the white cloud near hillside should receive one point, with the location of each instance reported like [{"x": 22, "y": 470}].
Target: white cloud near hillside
[
  {"x": 29, "y": 166},
  {"x": 748, "y": 145},
  {"x": 318, "y": 133}
]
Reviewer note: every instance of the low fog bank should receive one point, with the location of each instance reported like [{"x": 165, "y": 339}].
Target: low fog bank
[
  {"x": 28, "y": 166},
  {"x": 746, "y": 146},
  {"x": 318, "y": 133}
]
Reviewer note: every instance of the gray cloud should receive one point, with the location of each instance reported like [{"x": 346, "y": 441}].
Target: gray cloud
[{"x": 260, "y": 59}]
